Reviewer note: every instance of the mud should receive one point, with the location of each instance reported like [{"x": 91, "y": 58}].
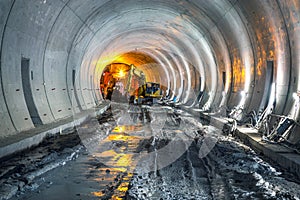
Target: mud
[{"x": 63, "y": 168}]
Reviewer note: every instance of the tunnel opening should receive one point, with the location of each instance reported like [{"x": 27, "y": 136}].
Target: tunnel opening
[
  {"x": 121, "y": 82},
  {"x": 133, "y": 77}
]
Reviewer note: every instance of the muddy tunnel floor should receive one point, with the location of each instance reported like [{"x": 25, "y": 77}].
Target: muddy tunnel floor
[{"x": 143, "y": 153}]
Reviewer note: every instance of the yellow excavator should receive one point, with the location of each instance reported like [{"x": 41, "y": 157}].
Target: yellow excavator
[
  {"x": 127, "y": 81},
  {"x": 149, "y": 93}
]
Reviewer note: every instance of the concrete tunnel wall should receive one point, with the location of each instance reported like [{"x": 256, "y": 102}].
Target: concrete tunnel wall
[{"x": 186, "y": 45}]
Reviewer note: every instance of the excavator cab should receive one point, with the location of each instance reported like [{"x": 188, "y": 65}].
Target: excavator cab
[{"x": 149, "y": 93}]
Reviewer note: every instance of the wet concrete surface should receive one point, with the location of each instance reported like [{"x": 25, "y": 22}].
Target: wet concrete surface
[{"x": 102, "y": 160}]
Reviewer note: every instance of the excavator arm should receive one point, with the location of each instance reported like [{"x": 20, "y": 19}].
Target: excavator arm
[{"x": 137, "y": 73}]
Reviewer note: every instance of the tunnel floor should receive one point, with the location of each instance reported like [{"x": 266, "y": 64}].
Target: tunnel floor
[{"x": 110, "y": 160}]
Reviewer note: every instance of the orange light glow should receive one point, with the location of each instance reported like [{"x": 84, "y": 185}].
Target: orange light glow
[
  {"x": 138, "y": 59},
  {"x": 123, "y": 187},
  {"x": 98, "y": 194},
  {"x": 116, "y": 198},
  {"x": 121, "y": 74},
  {"x": 119, "y": 161},
  {"x": 121, "y": 138}
]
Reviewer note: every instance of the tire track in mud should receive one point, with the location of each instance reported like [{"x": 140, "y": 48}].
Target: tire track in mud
[{"x": 219, "y": 185}]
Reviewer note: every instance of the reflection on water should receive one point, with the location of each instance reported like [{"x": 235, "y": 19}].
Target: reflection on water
[
  {"x": 120, "y": 159},
  {"x": 230, "y": 171},
  {"x": 127, "y": 128},
  {"x": 141, "y": 141},
  {"x": 133, "y": 146},
  {"x": 121, "y": 137}
]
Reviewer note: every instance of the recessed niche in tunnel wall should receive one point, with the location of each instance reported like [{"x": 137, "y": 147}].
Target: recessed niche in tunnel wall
[{"x": 27, "y": 76}]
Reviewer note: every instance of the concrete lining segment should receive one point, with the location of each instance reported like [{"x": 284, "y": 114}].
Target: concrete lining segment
[
  {"x": 231, "y": 29},
  {"x": 27, "y": 139}
]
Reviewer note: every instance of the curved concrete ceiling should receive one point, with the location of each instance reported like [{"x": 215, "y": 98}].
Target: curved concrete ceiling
[{"x": 219, "y": 47}]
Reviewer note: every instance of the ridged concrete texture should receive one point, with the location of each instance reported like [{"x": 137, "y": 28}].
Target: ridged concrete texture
[{"x": 220, "y": 47}]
